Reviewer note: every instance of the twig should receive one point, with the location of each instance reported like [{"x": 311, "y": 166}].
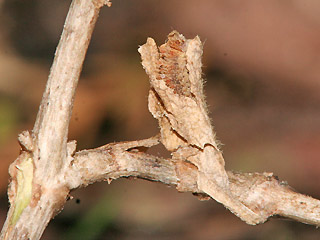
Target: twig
[
  {"x": 48, "y": 167},
  {"x": 176, "y": 99},
  {"x": 42, "y": 162},
  {"x": 262, "y": 192}
]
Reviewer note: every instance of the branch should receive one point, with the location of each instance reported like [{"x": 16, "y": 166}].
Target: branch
[
  {"x": 37, "y": 190},
  {"x": 176, "y": 100},
  {"x": 51, "y": 127},
  {"x": 48, "y": 167},
  {"x": 262, "y": 192}
]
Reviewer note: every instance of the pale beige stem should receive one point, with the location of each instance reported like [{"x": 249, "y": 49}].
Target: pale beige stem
[{"x": 37, "y": 190}]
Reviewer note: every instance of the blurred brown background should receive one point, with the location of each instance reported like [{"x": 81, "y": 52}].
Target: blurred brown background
[{"x": 262, "y": 70}]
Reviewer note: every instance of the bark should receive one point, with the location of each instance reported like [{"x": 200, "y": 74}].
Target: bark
[
  {"x": 37, "y": 188},
  {"x": 48, "y": 167},
  {"x": 176, "y": 99},
  {"x": 264, "y": 193}
]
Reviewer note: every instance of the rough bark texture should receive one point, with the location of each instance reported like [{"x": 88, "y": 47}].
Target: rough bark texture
[
  {"x": 176, "y": 99},
  {"x": 48, "y": 167}
]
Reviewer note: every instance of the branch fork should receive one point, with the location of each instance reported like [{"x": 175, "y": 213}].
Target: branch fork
[{"x": 49, "y": 167}]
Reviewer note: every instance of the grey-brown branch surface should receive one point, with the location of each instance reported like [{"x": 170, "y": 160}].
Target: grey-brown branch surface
[
  {"x": 49, "y": 167},
  {"x": 261, "y": 192},
  {"x": 176, "y": 100}
]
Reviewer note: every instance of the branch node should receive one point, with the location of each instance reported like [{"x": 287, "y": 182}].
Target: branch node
[{"x": 25, "y": 141}]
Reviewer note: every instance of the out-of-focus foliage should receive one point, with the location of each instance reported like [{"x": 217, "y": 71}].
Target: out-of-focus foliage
[{"x": 8, "y": 118}]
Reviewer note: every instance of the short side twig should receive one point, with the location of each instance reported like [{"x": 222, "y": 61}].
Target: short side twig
[{"x": 262, "y": 192}]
